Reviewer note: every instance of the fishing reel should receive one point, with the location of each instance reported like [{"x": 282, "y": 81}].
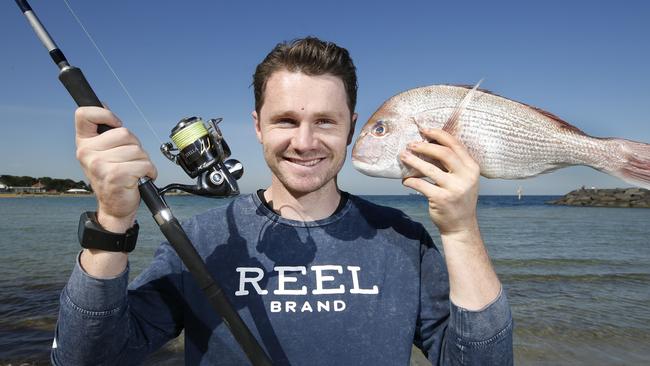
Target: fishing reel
[{"x": 201, "y": 151}]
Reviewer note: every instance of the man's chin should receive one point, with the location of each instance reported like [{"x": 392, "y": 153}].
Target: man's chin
[
  {"x": 300, "y": 183},
  {"x": 303, "y": 186}
]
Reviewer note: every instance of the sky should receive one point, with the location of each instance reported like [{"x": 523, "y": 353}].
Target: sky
[{"x": 585, "y": 61}]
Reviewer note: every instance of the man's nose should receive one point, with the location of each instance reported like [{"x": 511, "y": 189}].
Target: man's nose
[{"x": 304, "y": 139}]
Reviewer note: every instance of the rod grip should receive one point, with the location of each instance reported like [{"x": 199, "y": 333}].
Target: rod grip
[
  {"x": 23, "y": 5},
  {"x": 75, "y": 82}
]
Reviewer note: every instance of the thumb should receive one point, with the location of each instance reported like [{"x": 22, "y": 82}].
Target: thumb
[{"x": 87, "y": 119}]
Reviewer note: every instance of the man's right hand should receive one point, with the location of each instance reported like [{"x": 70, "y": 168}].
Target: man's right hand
[{"x": 113, "y": 162}]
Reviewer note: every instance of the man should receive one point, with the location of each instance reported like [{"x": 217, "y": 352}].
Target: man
[{"x": 321, "y": 277}]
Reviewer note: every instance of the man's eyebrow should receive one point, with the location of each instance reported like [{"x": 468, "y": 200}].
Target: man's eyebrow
[
  {"x": 292, "y": 114},
  {"x": 327, "y": 115},
  {"x": 283, "y": 114}
]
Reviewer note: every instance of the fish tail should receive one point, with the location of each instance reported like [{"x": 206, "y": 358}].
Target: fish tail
[{"x": 632, "y": 163}]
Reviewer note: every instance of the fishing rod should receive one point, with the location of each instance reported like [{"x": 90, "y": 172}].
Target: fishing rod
[{"x": 200, "y": 151}]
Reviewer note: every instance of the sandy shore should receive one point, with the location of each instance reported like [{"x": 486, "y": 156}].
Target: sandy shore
[
  {"x": 25, "y": 195},
  {"x": 21, "y": 195}
]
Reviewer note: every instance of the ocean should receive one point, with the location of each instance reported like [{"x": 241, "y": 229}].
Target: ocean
[{"x": 578, "y": 278}]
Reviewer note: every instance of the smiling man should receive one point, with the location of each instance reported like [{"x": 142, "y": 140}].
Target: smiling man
[
  {"x": 304, "y": 124},
  {"x": 321, "y": 277}
]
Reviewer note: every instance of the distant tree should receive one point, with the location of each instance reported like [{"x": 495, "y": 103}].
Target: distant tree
[
  {"x": 82, "y": 185},
  {"x": 59, "y": 185},
  {"x": 47, "y": 182},
  {"x": 16, "y": 181}
]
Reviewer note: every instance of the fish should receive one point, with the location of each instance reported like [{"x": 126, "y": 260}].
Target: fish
[{"x": 506, "y": 138}]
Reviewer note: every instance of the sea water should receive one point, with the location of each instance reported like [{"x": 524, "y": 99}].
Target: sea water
[{"x": 578, "y": 278}]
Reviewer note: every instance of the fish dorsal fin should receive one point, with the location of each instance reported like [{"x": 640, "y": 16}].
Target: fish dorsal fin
[
  {"x": 559, "y": 121},
  {"x": 466, "y": 86},
  {"x": 452, "y": 123}
]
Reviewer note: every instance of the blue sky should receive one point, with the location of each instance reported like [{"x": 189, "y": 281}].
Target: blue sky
[{"x": 585, "y": 61}]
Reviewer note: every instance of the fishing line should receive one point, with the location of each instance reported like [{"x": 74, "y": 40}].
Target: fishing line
[
  {"x": 112, "y": 70},
  {"x": 202, "y": 158}
]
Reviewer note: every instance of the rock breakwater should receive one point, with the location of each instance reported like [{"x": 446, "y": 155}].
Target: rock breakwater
[{"x": 617, "y": 197}]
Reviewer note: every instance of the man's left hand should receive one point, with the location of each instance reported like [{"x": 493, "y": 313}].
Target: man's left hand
[
  {"x": 453, "y": 197},
  {"x": 452, "y": 206}
]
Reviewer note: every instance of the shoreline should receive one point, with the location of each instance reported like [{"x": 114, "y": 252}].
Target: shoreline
[
  {"x": 25, "y": 195},
  {"x": 59, "y": 195}
]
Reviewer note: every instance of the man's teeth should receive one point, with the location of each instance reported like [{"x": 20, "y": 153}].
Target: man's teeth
[{"x": 306, "y": 162}]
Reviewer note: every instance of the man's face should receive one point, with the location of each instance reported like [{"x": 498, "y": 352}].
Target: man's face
[{"x": 304, "y": 126}]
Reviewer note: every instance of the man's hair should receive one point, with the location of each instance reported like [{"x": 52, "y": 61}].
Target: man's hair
[{"x": 310, "y": 56}]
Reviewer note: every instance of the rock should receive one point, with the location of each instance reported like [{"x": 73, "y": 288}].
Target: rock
[{"x": 617, "y": 197}]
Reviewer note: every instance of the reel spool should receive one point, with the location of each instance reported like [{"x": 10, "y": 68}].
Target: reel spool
[{"x": 200, "y": 150}]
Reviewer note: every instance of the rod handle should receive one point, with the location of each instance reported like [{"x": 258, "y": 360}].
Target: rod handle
[
  {"x": 75, "y": 82},
  {"x": 23, "y": 5}
]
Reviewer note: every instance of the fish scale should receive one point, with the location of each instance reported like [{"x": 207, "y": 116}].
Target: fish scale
[
  {"x": 515, "y": 159},
  {"x": 508, "y": 139}
]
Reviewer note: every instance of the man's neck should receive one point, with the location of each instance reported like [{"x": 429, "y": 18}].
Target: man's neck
[{"x": 311, "y": 206}]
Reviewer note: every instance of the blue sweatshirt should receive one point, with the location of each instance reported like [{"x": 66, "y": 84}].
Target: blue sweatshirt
[{"x": 357, "y": 288}]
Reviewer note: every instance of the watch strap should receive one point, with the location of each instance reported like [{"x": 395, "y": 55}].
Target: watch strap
[{"x": 93, "y": 236}]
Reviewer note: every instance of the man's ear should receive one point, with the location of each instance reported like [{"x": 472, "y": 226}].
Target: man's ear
[
  {"x": 256, "y": 121},
  {"x": 354, "y": 122}
]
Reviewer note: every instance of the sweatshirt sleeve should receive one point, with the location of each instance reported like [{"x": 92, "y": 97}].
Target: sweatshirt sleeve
[
  {"x": 104, "y": 322},
  {"x": 450, "y": 335}
]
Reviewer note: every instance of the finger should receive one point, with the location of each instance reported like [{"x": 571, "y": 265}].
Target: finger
[
  {"x": 126, "y": 174},
  {"x": 88, "y": 118},
  {"x": 427, "y": 169},
  {"x": 126, "y": 153},
  {"x": 431, "y": 191},
  {"x": 96, "y": 160},
  {"x": 113, "y": 138},
  {"x": 122, "y": 174},
  {"x": 141, "y": 168},
  {"x": 105, "y": 142},
  {"x": 439, "y": 153},
  {"x": 444, "y": 138}
]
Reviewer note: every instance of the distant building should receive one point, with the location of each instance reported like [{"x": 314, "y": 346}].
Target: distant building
[
  {"x": 77, "y": 191},
  {"x": 35, "y": 188},
  {"x": 3, "y": 187}
]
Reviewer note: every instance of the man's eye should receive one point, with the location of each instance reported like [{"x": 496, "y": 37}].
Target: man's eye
[{"x": 325, "y": 122}]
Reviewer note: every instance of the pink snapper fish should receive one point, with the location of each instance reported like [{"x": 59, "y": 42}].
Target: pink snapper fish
[{"x": 508, "y": 139}]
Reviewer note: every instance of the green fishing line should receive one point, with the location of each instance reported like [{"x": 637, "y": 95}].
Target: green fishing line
[{"x": 189, "y": 134}]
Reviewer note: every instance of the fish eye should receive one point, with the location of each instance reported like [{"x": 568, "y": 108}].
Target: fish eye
[{"x": 379, "y": 129}]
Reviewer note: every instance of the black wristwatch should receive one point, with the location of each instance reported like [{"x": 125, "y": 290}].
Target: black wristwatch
[{"x": 93, "y": 236}]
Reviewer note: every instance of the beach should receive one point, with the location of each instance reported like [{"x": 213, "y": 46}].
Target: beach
[{"x": 578, "y": 278}]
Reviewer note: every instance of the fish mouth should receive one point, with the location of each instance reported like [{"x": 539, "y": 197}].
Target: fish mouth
[
  {"x": 362, "y": 159},
  {"x": 363, "y": 163},
  {"x": 366, "y": 168},
  {"x": 362, "y": 166}
]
